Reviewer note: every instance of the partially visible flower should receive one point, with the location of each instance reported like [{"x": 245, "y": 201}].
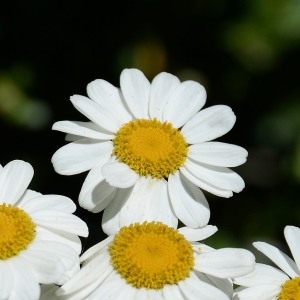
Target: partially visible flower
[
  {"x": 154, "y": 261},
  {"x": 147, "y": 147},
  {"x": 270, "y": 283},
  {"x": 39, "y": 240}
]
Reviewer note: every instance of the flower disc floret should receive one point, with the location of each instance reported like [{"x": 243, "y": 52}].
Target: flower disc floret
[
  {"x": 17, "y": 231},
  {"x": 290, "y": 290},
  {"x": 151, "y": 255},
  {"x": 150, "y": 147}
]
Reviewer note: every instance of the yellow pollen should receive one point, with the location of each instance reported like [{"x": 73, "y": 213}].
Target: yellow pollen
[
  {"x": 16, "y": 231},
  {"x": 150, "y": 147},
  {"x": 290, "y": 290},
  {"x": 150, "y": 255}
]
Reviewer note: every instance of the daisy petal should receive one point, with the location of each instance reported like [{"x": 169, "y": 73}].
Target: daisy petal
[
  {"x": 208, "y": 124},
  {"x": 195, "y": 289},
  {"x": 95, "y": 192},
  {"x": 94, "y": 112},
  {"x": 188, "y": 201},
  {"x": 284, "y": 262},
  {"x": 292, "y": 236},
  {"x": 161, "y": 88},
  {"x": 119, "y": 174},
  {"x": 225, "y": 262},
  {"x": 80, "y": 156},
  {"x": 6, "y": 280},
  {"x": 262, "y": 274},
  {"x": 73, "y": 241},
  {"x": 136, "y": 89},
  {"x": 185, "y": 101},
  {"x": 148, "y": 202},
  {"x": 261, "y": 292},
  {"x": 221, "y": 177},
  {"x": 26, "y": 285},
  {"x": 205, "y": 185},
  {"x": 171, "y": 292},
  {"x": 218, "y": 154},
  {"x": 111, "y": 214},
  {"x": 59, "y": 220},
  {"x": 198, "y": 234},
  {"x": 109, "y": 98},
  {"x": 44, "y": 202},
  {"x": 14, "y": 179},
  {"x": 83, "y": 129}
]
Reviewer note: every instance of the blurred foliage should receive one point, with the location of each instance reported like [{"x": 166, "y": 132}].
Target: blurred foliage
[{"x": 245, "y": 53}]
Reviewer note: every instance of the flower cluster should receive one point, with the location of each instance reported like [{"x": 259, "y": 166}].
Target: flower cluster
[{"x": 150, "y": 153}]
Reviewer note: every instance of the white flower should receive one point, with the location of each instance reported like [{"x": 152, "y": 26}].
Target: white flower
[
  {"x": 39, "y": 240},
  {"x": 148, "y": 149},
  {"x": 270, "y": 283},
  {"x": 154, "y": 261}
]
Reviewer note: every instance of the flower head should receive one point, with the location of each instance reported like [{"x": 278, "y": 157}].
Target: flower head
[
  {"x": 148, "y": 148},
  {"x": 39, "y": 240},
  {"x": 151, "y": 260},
  {"x": 268, "y": 282}
]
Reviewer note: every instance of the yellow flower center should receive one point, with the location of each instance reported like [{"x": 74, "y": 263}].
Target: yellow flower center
[
  {"x": 151, "y": 255},
  {"x": 290, "y": 290},
  {"x": 16, "y": 231},
  {"x": 150, "y": 147}
]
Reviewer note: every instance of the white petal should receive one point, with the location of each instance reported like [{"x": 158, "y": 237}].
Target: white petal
[
  {"x": 83, "y": 129},
  {"x": 95, "y": 113},
  {"x": 262, "y": 274},
  {"x": 118, "y": 174},
  {"x": 171, "y": 292},
  {"x": 261, "y": 292},
  {"x": 115, "y": 288},
  {"x": 221, "y": 177},
  {"x": 14, "y": 179},
  {"x": 188, "y": 201},
  {"x": 208, "y": 186},
  {"x": 185, "y": 101},
  {"x": 208, "y": 124},
  {"x": 92, "y": 251},
  {"x": 161, "y": 88},
  {"x": 292, "y": 236},
  {"x": 109, "y": 98},
  {"x": 61, "y": 221},
  {"x": 111, "y": 214},
  {"x": 148, "y": 294},
  {"x": 45, "y": 202},
  {"x": 199, "y": 234},
  {"x": 26, "y": 285},
  {"x": 96, "y": 193},
  {"x": 69, "y": 239},
  {"x": 136, "y": 90},
  {"x": 195, "y": 289},
  {"x": 6, "y": 280},
  {"x": 218, "y": 154},
  {"x": 148, "y": 202},
  {"x": 81, "y": 156},
  {"x": 87, "y": 279},
  {"x": 284, "y": 262},
  {"x": 226, "y": 262},
  {"x": 45, "y": 264}
]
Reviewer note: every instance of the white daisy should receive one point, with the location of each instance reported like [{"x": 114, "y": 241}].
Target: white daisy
[
  {"x": 39, "y": 240},
  {"x": 270, "y": 283},
  {"x": 153, "y": 261},
  {"x": 148, "y": 149}
]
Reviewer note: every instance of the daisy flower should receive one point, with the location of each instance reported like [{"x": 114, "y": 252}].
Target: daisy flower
[
  {"x": 151, "y": 260},
  {"x": 39, "y": 240},
  {"x": 271, "y": 283},
  {"x": 148, "y": 149}
]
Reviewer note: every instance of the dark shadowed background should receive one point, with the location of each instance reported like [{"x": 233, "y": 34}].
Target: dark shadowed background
[{"x": 245, "y": 53}]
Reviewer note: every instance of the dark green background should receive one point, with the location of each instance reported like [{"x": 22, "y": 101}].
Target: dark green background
[{"x": 245, "y": 53}]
